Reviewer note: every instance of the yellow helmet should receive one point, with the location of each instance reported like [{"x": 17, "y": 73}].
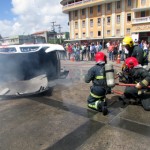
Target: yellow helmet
[{"x": 128, "y": 41}]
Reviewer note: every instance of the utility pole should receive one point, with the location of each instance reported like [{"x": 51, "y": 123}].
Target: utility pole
[
  {"x": 59, "y": 30},
  {"x": 53, "y": 26},
  {"x": 53, "y": 29}
]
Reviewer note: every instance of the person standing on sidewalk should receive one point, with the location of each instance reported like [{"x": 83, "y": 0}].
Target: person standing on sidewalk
[
  {"x": 83, "y": 52},
  {"x": 107, "y": 45},
  {"x": 69, "y": 51},
  {"x": 146, "y": 53},
  {"x": 115, "y": 51},
  {"x": 96, "y": 74},
  {"x": 110, "y": 51},
  {"x": 92, "y": 51}
]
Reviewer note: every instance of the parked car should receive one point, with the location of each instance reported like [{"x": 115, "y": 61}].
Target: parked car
[{"x": 30, "y": 69}]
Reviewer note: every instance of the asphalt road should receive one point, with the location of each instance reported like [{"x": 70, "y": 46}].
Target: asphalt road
[{"x": 64, "y": 122}]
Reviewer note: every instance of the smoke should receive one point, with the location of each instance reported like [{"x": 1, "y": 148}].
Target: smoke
[{"x": 15, "y": 67}]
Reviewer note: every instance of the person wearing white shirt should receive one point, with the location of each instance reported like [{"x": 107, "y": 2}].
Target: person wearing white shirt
[{"x": 126, "y": 52}]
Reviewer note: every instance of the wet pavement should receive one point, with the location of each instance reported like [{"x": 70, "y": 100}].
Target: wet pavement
[{"x": 64, "y": 122}]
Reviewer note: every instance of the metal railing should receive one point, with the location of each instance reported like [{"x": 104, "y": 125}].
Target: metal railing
[
  {"x": 84, "y": 1},
  {"x": 77, "y": 3},
  {"x": 141, "y": 20}
]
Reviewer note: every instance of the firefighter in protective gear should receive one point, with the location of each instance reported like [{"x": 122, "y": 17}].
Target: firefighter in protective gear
[
  {"x": 134, "y": 50},
  {"x": 96, "y": 74},
  {"x": 141, "y": 78}
]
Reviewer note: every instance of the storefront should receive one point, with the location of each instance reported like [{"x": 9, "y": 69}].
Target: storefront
[
  {"x": 143, "y": 30},
  {"x": 145, "y": 36}
]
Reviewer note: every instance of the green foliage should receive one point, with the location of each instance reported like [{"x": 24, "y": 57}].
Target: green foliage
[{"x": 56, "y": 41}]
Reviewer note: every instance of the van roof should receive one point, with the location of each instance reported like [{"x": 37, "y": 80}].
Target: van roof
[{"x": 18, "y": 48}]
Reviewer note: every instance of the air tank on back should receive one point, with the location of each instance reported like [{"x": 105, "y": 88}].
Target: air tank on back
[{"x": 109, "y": 75}]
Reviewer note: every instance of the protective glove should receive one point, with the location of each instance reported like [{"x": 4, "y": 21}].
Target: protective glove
[
  {"x": 108, "y": 90},
  {"x": 119, "y": 74},
  {"x": 138, "y": 86}
]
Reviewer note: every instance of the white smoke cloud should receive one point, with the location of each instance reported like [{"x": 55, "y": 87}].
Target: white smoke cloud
[{"x": 33, "y": 16}]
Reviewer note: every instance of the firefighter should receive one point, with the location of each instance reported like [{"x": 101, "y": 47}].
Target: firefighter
[
  {"x": 135, "y": 51},
  {"x": 96, "y": 74},
  {"x": 134, "y": 73}
]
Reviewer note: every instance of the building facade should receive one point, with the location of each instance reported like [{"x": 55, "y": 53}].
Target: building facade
[
  {"x": 35, "y": 38},
  {"x": 91, "y": 20},
  {"x": 22, "y": 39}
]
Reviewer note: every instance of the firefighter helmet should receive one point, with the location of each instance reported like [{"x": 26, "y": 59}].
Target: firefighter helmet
[
  {"x": 100, "y": 56},
  {"x": 131, "y": 62},
  {"x": 128, "y": 41}
]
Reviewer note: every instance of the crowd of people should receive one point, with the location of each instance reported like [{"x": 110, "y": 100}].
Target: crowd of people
[
  {"x": 87, "y": 51},
  {"x": 80, "y": 52},
  {"x": 116, "y": 47}
]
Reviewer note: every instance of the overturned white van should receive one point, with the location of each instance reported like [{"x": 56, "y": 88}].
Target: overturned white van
[{"x": 30, "y": 69}]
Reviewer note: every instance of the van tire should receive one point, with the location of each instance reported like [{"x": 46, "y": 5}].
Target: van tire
[{"x": 48, "y": 92}]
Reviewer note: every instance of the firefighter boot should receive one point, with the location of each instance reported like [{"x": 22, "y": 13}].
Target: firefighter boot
[
  {"x": 104, "y": 108},
  {"x": 95, "y": 105},
  {"x": 124, "y": 102}
]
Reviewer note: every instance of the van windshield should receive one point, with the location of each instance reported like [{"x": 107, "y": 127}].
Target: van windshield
[
  {"x": 29, "y": 49},
  {"x": 8, "y": 49}
]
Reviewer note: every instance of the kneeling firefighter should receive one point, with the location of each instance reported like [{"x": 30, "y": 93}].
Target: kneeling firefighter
[
  {"x": 99, "y": 89},
  {"x": 135, "y": 74}
]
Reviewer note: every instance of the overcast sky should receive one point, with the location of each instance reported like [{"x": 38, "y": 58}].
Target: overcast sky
[{"x": 18, "y": 17}]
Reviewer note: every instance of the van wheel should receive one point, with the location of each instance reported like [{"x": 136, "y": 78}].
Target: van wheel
[{"x": 47, "y": 92}]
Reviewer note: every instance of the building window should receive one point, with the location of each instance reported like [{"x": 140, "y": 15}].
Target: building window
[
  {"x": 76, "y": 35},
  {"x": 128, "y": 17},
  {"x": 83, "y": 34},
  {"x": 75, "y": 13},
  {"x": 108, "y": 6},
  {"x": 99, "y": 33},
  {"x": 91, "y": 22},
  {"x": 142, "y": 13},
  {"x": 108, "y": 32},
  {"x": 118, "y": 5},
  {"x": 91, "y": 10},
  {"x": 76, "y": 25},
  {"x": 118, "y": 31},
  {"x": 83, "y": 12},
  {"x": 118, "y": 19},
  {"x": 128, "y": 30},
  {"x": 99, "y": 8},
  {"x": 91, "y": 34},
  {"x": 83, "y": 24},
  {"x": 98, "y": 21},
  {"x": 129, "y": 3},
  {"x": 108, "y": 20},
  {"x": 143, "y": 2}
]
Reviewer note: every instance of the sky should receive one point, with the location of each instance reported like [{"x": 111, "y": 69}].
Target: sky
[{"x": 23, "y": 17}]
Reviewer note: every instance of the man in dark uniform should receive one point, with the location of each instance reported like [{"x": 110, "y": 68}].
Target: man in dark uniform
[
  {"x": 96, "y": 74},
  {"x": 134, "y": 73},
  {"x": 135, "y": 51}
]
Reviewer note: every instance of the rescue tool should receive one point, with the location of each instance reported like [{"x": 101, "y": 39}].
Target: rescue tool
[{"x": 122, "y": 84}]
